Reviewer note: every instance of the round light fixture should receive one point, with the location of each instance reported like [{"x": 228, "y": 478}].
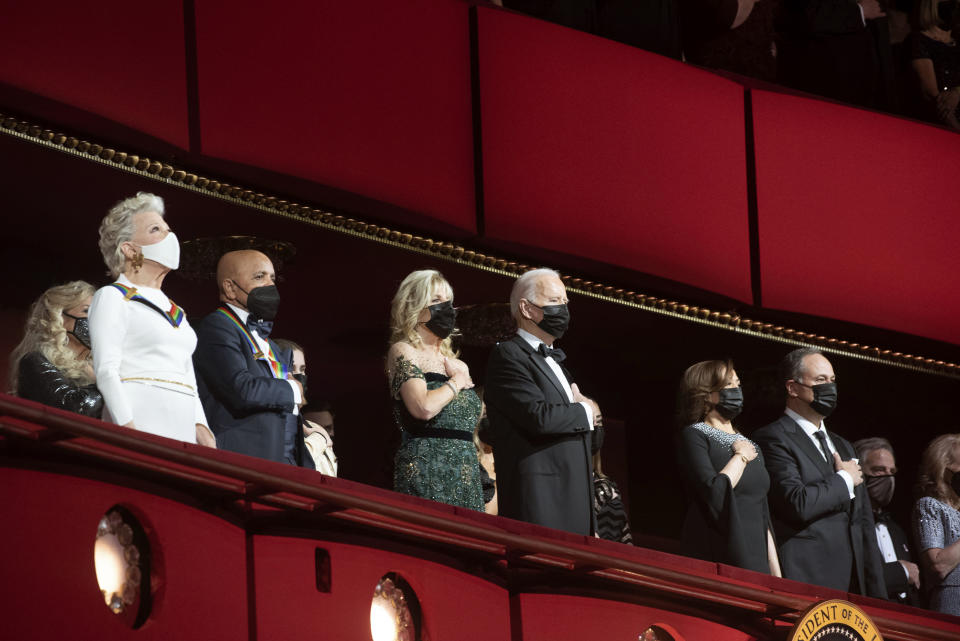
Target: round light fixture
[
  {"x": 121, "y": 561},
  {"x": 394, "y": 611}
]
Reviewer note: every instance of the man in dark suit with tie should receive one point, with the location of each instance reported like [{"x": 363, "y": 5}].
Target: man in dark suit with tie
[
  {"x": 539, "y": 421},
  {"x": 249, "y": 396},
  {"x": 821, "y": 512},
  {"x": 900, "y": 571}
]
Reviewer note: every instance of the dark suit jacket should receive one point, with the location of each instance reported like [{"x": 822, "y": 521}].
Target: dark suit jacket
[
  {"x": 825, "y": 538},
  {"x": 893, "y": 573},
  {"x": 247, "y": 408},
  {"x": 541, "y": 442},
  {"x": 823, "y": 47}
]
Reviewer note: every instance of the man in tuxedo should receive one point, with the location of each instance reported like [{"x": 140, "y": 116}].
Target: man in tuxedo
[
  {"x": 821, "y": 512},
  {"x": 900, "y": 572},
  {"x": 248, "y": 393},
  {"x": 540, "y": 423}
]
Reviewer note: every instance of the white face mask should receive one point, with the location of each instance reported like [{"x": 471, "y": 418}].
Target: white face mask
[{"x": 166, "y": 252}]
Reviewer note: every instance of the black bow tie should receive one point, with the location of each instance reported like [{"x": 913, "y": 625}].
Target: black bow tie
[
  {"x": 882, "y": 517},
  {"x": 261, "y": 327},
  {"x": 555, "y": 354}
]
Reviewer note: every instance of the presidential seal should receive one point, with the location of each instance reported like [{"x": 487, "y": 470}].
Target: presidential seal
[{"x": 834, "y": 620}]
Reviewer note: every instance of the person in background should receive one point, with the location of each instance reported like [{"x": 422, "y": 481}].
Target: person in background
[
  {"x": 52, "y": 363},
  {"x": 246, "y": 385},
  {"x": 936, "y": 522},
  {"x": 935, "y": 59},
  {"x": 900, "y": 573},
  {"x": 316, "y": 418},
  {"x": 539, "y": 419},
  {"x": 732, "y": 35},
  {"x": 728, "y": 520},
  {"x": 141, "y": 340},
  {"x": 612, "y": 521},
  {"x": 318, "y": 436},
  {"x": 821, "y": 511},
  {"x": 825, "y": 47},
  {"x": 435, "y": 407},
  {"x": 488, "y": 473}
]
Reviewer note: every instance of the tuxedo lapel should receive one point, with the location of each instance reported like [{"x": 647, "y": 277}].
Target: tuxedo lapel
[
  {"x": 803, "y": 442},
  {"x": 541, "y": 363}
]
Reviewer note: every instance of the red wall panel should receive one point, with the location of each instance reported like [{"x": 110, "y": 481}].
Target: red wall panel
[
  {"x": 560, "y": 617},
  {"x": 455, "y": 604},
  {"x": 49, "y": 529},
  {"x": 858, "y": 216},
  {"x": 370, "y": 96},
  {"x": 604, "y": 151},
  {"x": 118, "y": 59}
]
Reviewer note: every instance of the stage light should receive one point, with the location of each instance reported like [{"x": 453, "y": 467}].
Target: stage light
[
  {"x": 119, "y": 556},
  {"x": 391, "y": 618}
]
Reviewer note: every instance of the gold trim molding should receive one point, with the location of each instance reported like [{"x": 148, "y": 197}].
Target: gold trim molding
[{"x": 730, "y": 321}]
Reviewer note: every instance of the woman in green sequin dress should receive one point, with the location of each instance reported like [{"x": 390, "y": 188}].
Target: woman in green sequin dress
[{"x": 434, "y": 406}]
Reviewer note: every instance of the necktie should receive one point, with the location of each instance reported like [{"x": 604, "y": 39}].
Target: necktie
[
  {"x": 822, "y": 437},
  {"x": 262, "y": 327},
  {"x": 555, "y": 354}
]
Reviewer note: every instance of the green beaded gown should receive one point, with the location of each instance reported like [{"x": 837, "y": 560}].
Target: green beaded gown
[{"x": 441, "y": 469}]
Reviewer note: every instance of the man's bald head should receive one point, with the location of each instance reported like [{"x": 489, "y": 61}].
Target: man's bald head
[{"x": 240, "y": 271}]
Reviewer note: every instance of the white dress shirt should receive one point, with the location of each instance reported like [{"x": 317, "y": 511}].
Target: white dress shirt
[
  {"x": 535, "y": 342},
  {"x": 810, "y": 429},
  {"x": 887, "y": 550},
  {"x": 243, "y": 314},
  {"x": 143, "y": 364}
]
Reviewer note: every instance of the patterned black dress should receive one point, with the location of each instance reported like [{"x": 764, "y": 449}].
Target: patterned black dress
[{"x": 437, "y": 459}]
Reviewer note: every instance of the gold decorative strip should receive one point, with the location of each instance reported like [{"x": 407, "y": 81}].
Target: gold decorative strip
[{"x": 162, "y": 172}]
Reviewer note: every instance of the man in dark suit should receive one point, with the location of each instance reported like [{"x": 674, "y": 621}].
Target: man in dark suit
[
  {"x": 900, "y": 572},
  {"x": 825, "y": 47},
  {"x": 249, "y": 396},
  {"x": 539, "y": 421},
  {"x": 821, "y": 512}
]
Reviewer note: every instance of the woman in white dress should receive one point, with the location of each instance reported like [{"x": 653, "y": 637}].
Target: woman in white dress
[{"x": 142, "y": 343}]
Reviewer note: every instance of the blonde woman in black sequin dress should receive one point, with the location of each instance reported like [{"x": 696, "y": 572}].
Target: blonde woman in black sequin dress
[{"x": 434, "y": 406}]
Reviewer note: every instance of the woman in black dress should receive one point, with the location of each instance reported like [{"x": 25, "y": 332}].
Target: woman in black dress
[
  {"x": 52, "y": 365},
  {"x": 728, "y": 520},
  {"x": 935, "y": 58}
]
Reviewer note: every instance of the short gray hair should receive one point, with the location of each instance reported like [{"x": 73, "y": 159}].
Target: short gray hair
[
  {"x": 116, "y": 228},
  {"x": 525, "y": 287},
  {"x": 866, "y": 445},
  {"x": 791, "y": 367}
]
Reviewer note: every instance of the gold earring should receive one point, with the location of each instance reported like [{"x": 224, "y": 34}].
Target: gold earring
[{"x": 137, "y": 262}]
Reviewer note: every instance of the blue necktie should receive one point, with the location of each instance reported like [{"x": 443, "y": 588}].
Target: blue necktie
[{"x": 261, "y": 327}]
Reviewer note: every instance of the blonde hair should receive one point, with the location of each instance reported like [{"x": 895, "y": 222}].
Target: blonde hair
[
  {"x": 933, "y": 466},
  {"x": 44, "y": 332},
  {"x": 699, "y": 381},
  {"x": 116, "y": 228},
  {"x": 412, "y": 297}
]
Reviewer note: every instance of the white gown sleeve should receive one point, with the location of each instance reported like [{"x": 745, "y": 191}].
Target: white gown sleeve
[
  {"x": 200, "y": 417},
  {"x": 108, "y": 328}
]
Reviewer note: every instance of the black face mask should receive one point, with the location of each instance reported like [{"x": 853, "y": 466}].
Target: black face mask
[
  {"x": 262, "y": 302},
  {"x": 81, "y": 329},
  {"x": 824, "y": 398},
  {"x": 443, "y": 318},
  {"x": 945, "y": 11},
  {"x": 730, "y": 402},
  {"x": 302, "y": 379},
  {"x": 880, "y": 489},
  {"x": 556, "y": 319}
]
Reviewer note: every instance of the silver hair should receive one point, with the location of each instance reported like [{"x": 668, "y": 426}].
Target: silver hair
[
  {"x": 866, "y": 445},
  {"x": 116, "y": 228},
  {"x": 526, "y": 287}
]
